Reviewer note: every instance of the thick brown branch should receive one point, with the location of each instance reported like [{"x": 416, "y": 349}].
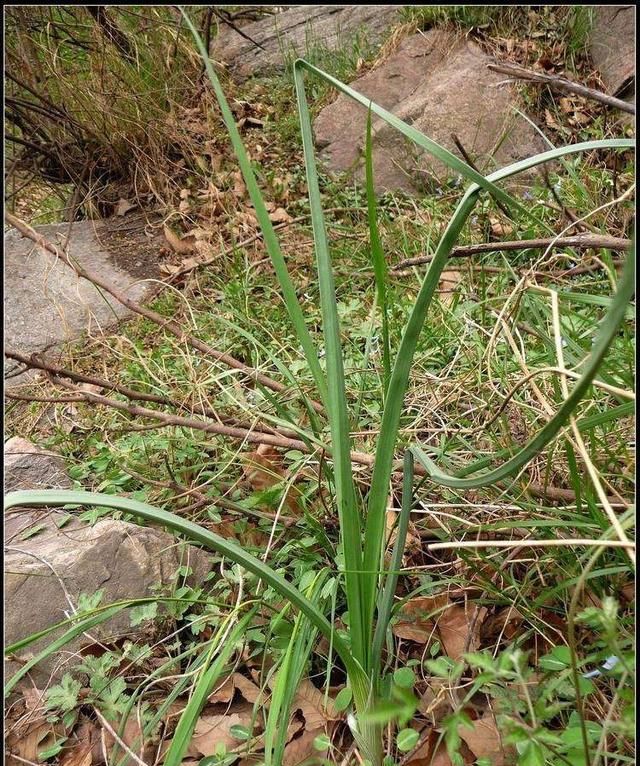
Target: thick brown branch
[
  {"x": 234, "y": 432},
  {"x": 168, "y": 324},
  {"x": 555, "y": 82},
  {"x": 60, "y": 372},
  {"x": 579, "y": 242}
]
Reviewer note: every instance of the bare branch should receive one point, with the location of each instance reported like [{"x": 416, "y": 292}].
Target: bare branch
[
  {"x": 579, "y": 242},
  {"x": 555, "y": 82},
  {"x": 163, "y": 322}
]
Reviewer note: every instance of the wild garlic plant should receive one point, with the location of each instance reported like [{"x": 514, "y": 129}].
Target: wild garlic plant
[{"x": 369, "y": 587}]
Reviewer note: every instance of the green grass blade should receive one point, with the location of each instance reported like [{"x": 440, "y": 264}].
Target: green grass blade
[
  {"x": 386, "y": 599},
  {"x": 76, "y": 630},
  {"x": 289, "y": 675},
  {"x": 606, "y": 334},
  {"x": 270, "y": 238},
  {"x": 208, "y": 677},
  {"x": 377, "y": 255},
  {"x": 348, "y": 511},
  {"x": 198, "y": 534},
  {"x": 374, "y": 529}
]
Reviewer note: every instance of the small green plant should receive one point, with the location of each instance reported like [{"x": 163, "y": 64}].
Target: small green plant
[{"x": 372, "y": 698}]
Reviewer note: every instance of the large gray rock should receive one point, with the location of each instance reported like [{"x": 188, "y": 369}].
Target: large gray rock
[
  {"x": 439, "y": 83},
  {"x": 29, "y": 467},
  {"x": 292, "y": 33},
  {"x": 613, "y": 47},
  {"x": 26, "y": 466},
  {"x": 46, "y": 304},
  {"x": 66, "y": 557}
]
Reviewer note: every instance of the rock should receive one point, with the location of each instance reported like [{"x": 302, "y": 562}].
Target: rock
[
  {"x": 287, "y": 35},
  {"x": 439, "y": 83},
  {"x": 126, "y": 560},
  {"x": 29, "y": 467},
  {"x": 613, "y": 47},
  {"x": 45, "y": 302}
]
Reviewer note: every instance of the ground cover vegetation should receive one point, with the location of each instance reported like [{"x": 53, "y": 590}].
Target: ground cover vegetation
[{"x": 382, "y": 589}]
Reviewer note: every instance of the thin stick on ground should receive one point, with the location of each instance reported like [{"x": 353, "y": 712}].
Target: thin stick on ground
[
  {"x": 555, "y": 82},
  {"x": 579, "y": 242},
  {"x": 569, "y": 541},
  {"x": 163, "y": 322},
  {"x": 32, "y": 362}
]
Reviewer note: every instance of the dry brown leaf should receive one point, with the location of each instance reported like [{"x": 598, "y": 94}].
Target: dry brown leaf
[
  {"x": 123, "y": 206},
  {"x": 415, "y": 622},
  {"x": 279, "y": 215},
  {"x": 484, "y": 741},
  {"x": 500, "y": 228},
  {"x": 301, "y": 748},
  {"x": 309, "y": 700},
  {"x": 250, "y": 691},
  {"x": 80, "y": 750},
  {"x": 133, "y": 738},
  {"x": 27, "y": 742},
  {"x": 454, "y": 627},
  {"x": 223, "y": 692},
  {"x": 448, "y": 284},
  {"x": 429, "y": 752},
  {"x": 263, "y": 469},
  {"x": 212, "y": 731},
  {"x": 182, "y": 245},
  {"x": 503, "y": 625},
  {"x": 424, "y": 616},
  {"x": 79, "y": 755}
]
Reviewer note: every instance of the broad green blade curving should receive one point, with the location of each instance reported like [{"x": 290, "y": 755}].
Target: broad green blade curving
[
  {"x": 348, "y": 511},
  {"x": 607, "y": 332},
  {"x": 198, "y": 534},
  {"x": 270, "y": 237}
]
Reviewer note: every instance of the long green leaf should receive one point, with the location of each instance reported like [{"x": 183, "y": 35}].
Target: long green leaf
[
  {"x": 198, "y": 534},
  {"x": 386, "y": 598},
  {"x": 76, "y": 630},
  {"x": 262, "y": 214},
  {"x": 348, "y": 511},
  {"x": 377, "y": 256},
  {"x": 607, "y": 332}
]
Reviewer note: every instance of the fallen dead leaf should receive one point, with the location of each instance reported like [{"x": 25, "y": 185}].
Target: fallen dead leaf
[
  {"x": 279, "y": 215},
  {"x": 133, "y": 738},
  {"x": 484, "y": 741},
  {"x": 299, "y": 749},
  {"x": 182, "y": 245},
  {"x": 263, "y": 469},
  {"x": 415, "y": 622},
  {"x": 309, "y": 700},
  {"x": 429, "y": 752},
  {"x": 425, "y": 616},
  {"x": 214, "y": 730},
  {"x": 237, "y": 682},
  {"x": 500, "y": 228},
  {"x": 448, "y": 284},
  {"x": 455, "y": 629}
]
